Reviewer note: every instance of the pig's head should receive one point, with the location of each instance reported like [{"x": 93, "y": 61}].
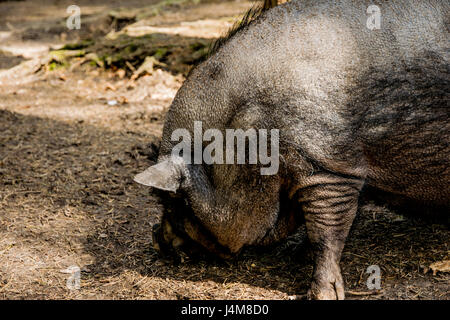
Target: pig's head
[
  {"x": 218, "y": 207},
  {"x": 180, "y": 231},
  {"x": 199, "y": 218}
]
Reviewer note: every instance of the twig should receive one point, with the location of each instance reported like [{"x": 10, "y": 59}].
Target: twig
[{"x": 364, "y": 293}]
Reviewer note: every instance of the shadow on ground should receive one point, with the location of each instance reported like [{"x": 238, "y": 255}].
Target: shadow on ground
[{"x": 67, "y": 191}]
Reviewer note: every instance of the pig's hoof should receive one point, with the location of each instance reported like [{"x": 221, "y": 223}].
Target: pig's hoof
[{"x": 329, "y": 290}]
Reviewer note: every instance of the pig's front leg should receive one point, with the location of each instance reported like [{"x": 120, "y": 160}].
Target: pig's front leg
[{"x": 329, "y": 204}]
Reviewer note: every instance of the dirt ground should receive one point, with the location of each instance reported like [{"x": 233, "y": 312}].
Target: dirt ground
[{"x": 72, "y": 138}]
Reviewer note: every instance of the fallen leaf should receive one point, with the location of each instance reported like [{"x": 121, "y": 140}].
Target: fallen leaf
[
  {"x": 440, "y": 266},
  {"x": 109, "y": 86},
  {"x": 121, "y": 73}
]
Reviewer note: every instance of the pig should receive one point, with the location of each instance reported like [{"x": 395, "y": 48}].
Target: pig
[{"x": 359, "y": 92}]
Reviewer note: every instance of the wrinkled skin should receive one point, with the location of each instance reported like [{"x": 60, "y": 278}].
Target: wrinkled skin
[{"x": 354, "y": 106}]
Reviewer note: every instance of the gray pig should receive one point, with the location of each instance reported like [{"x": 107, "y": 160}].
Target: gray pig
[{"x": 360, "y": 96}]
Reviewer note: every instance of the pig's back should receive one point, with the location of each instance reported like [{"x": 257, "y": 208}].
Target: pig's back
[
  {"x": 395, "y": 93},
  {"x": 351, "y": 95}
]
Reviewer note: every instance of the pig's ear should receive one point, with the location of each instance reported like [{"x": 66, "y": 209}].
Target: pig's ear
[{"x": 165, "y": 175}]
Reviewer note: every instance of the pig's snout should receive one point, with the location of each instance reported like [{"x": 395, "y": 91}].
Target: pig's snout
[{"x": 165, "y": 241}]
